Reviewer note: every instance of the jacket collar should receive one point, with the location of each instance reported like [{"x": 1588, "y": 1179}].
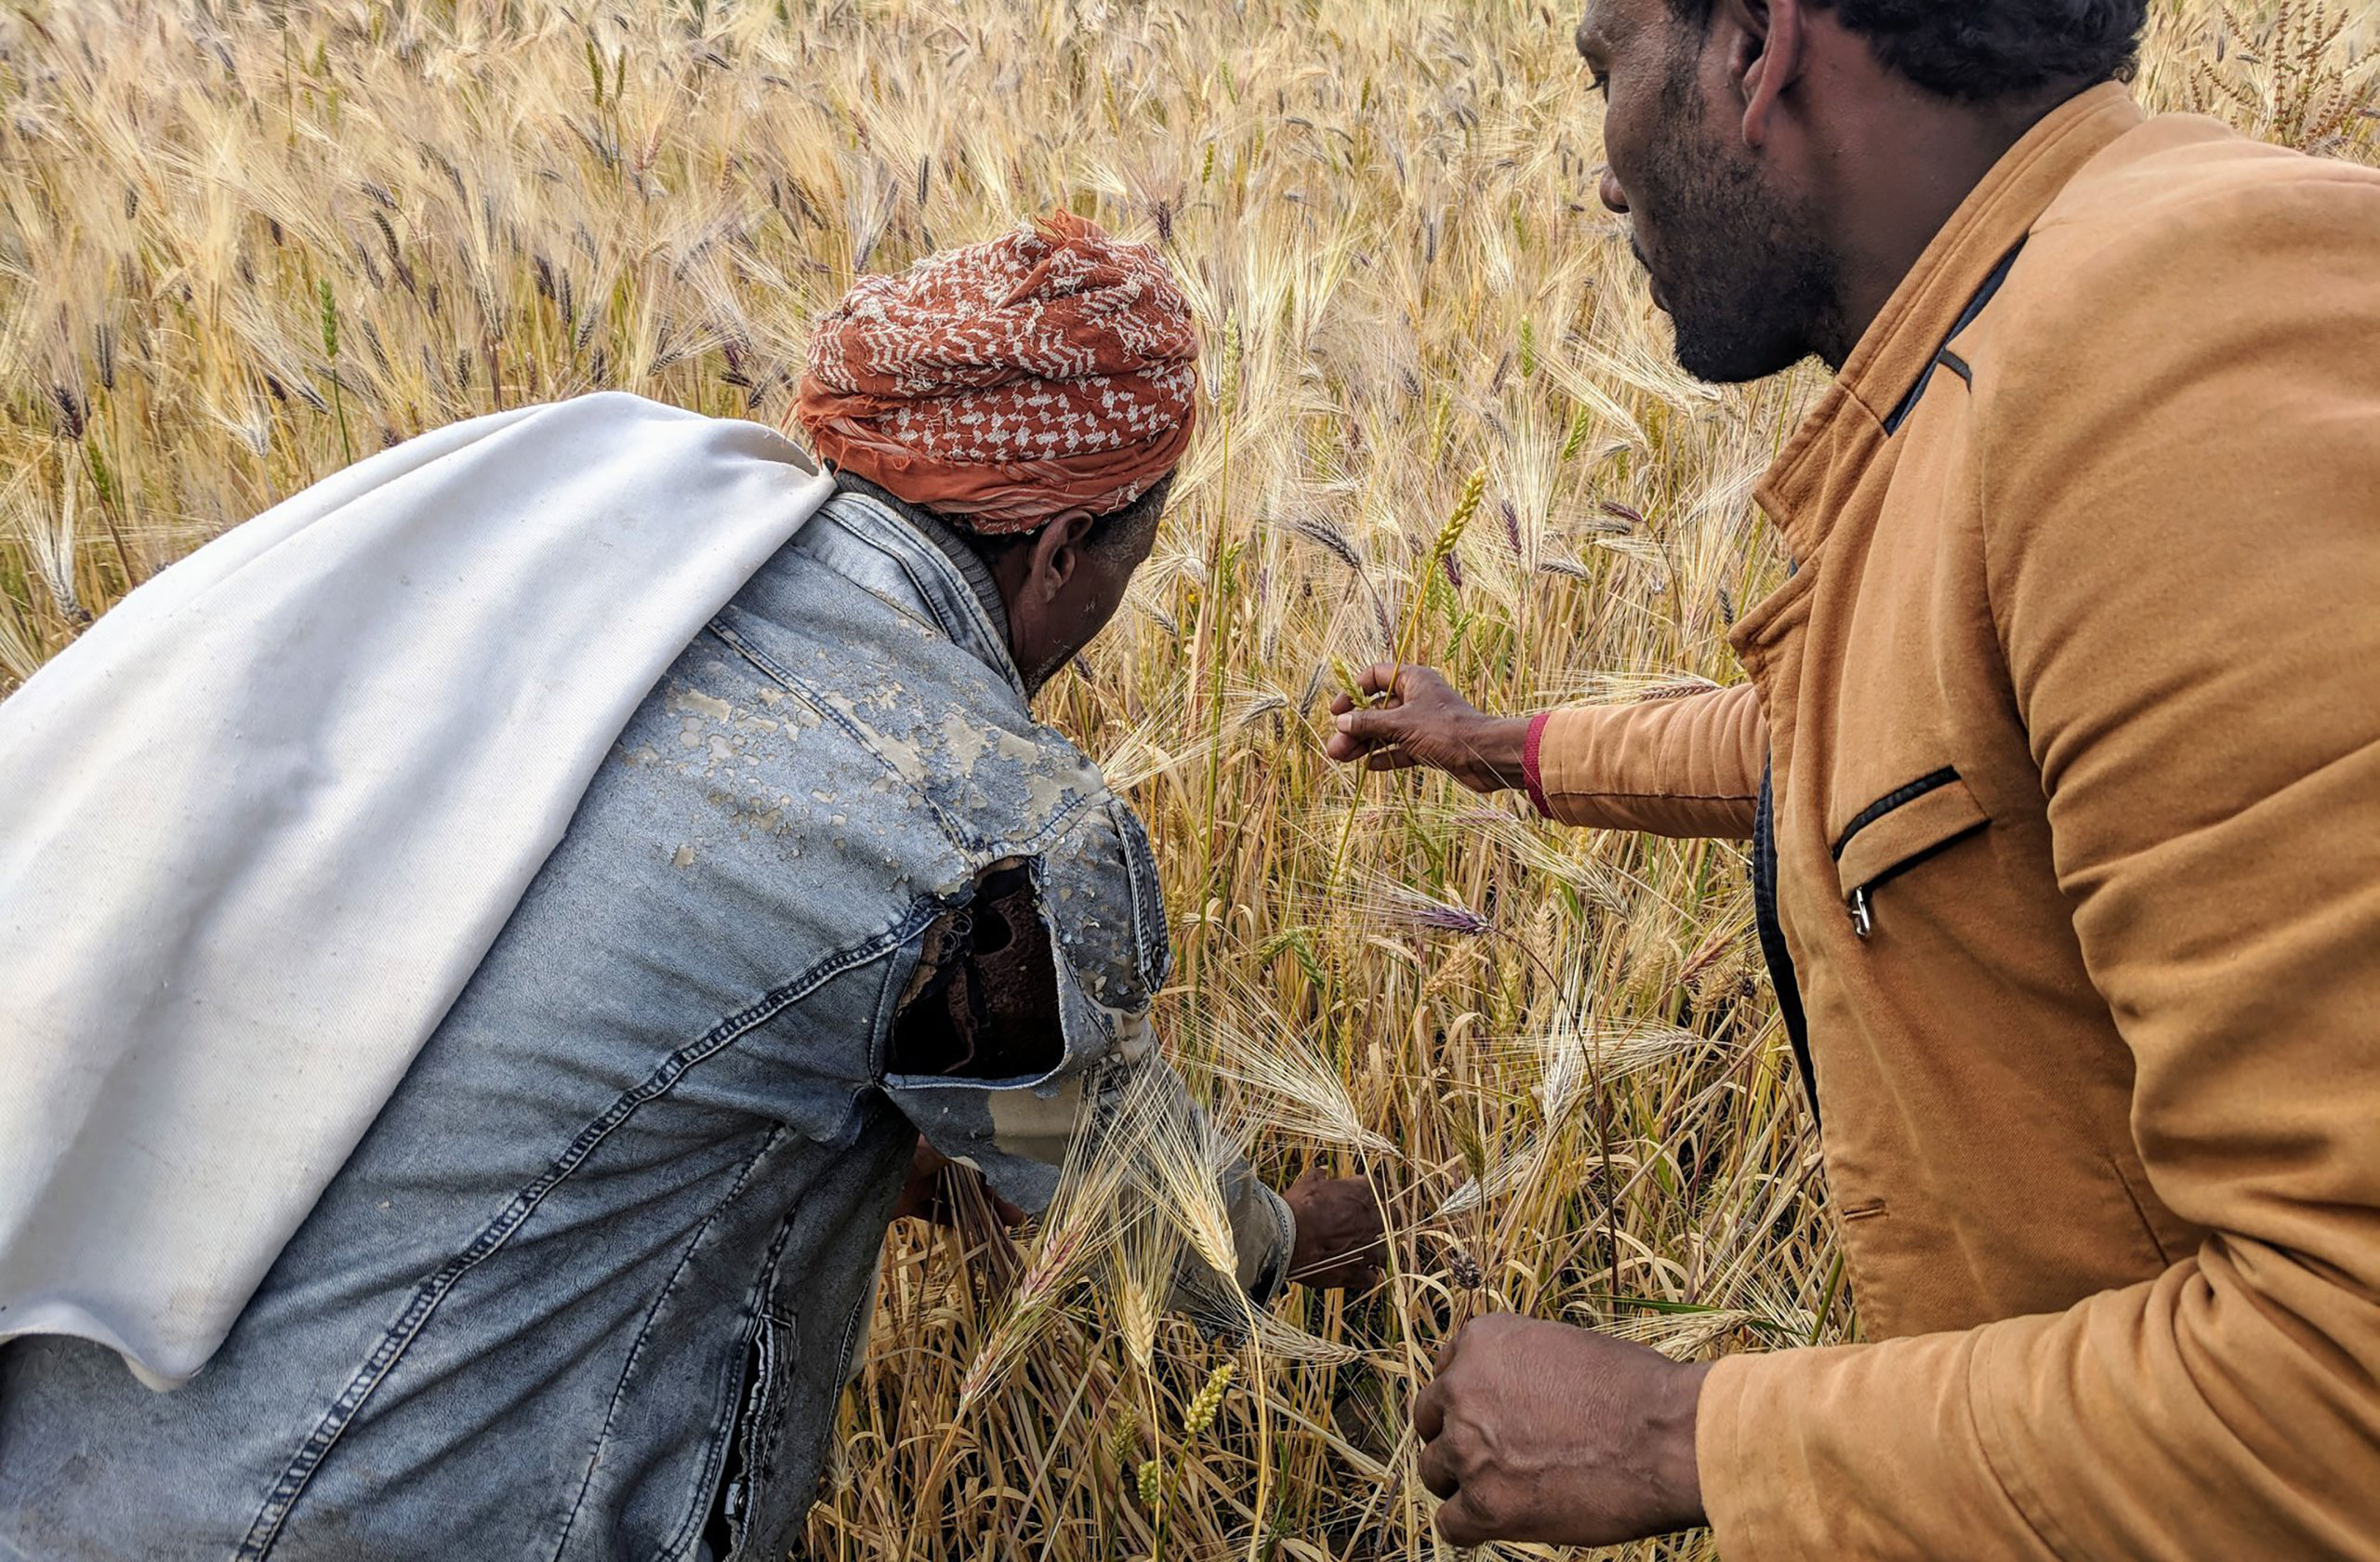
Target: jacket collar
[
  {"x": 884, "y": 552},
  {"x": 968, "y": 562},
  {"x": 1848, "y": 422}
]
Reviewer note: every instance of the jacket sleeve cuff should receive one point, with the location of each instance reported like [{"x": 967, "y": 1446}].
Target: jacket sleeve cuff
[
  {"x": 1532, "y": 775},
  {"x": 1264, "y": 1274}
]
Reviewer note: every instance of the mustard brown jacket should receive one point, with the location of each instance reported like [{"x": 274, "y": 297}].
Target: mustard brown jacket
[{"x": 2070, "y": 717}]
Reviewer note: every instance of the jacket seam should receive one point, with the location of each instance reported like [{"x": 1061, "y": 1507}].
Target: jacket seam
[
  {"x": 1653, "y": 796},
  {"x": 848, "y": 1335},
  {"x": 1962, "y": 227},
  {"x": 840, "y": 1364},
  {"x": 2140, "y": 1211},
  {"x": 1053, "y": 829},
  {"x": 1918, "y": 858},
  {"x": 759, "y": 1315},
  {"x": 265, "y": 1530},
  {"x": 644, "y": 1332},
  {"x": 1985, "y": 292},
  {"x": 1063, "y": 964},
  {"x": 972, "y": 603},
  {"x": 1770, "y": 927},
  {"x": 1998, "y": 1462},
  {"x": 1979, "y": 417},
  {"x": 1272, "y": 1277},
  {"x": 951, "y": 827},
  {"x": 925, "y": 912},
  {"x": 1150, "y": 934}
]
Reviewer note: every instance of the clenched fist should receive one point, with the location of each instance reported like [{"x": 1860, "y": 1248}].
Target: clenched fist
[
  {"x": 1536, "y": 1431},
  {"x": 1340, "y": 1232}
]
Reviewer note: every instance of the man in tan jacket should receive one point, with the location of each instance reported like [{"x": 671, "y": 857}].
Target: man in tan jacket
[{"x": 2060, "y": 758}]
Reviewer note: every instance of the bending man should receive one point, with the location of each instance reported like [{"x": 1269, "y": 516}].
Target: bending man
[{"x": 590, "y": 1282}]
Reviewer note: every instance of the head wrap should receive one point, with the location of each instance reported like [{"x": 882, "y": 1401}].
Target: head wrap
[{"x": 1048, "y": 373}]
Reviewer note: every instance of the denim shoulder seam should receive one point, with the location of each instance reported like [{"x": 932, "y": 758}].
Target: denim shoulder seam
[
  {"x": 966, "y": 840},
  {"x": 264, "y": 1531},
  {"x": 922, "y": 911}
]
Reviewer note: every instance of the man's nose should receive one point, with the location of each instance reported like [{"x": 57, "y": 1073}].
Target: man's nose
[{"x": 1614, "y": 198}]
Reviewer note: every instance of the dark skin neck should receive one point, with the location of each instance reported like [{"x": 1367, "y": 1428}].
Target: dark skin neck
[
  {"x": 1889, "y": 169},
  {"x": 1057, "y": 589}
]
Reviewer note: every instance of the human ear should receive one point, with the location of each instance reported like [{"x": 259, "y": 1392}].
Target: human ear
[
  {"x": 1766, "y": 59},
  {"x": 1057, "y": 553}
]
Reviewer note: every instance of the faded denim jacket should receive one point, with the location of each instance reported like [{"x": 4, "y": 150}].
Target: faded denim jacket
[{"x": 590, "y": 1286}]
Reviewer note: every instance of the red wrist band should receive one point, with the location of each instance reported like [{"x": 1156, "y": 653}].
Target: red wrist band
[{"x": 1529, "y": 776}]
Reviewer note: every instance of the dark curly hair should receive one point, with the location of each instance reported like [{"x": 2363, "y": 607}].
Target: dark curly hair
[{"x": 1980, "y": 51}]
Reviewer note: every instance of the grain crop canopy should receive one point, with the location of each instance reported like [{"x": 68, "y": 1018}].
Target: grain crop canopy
[{"x": 265, "y": 818}]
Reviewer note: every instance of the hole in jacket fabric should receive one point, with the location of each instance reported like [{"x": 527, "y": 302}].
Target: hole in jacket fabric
[{"x": 990, "y": 1011}]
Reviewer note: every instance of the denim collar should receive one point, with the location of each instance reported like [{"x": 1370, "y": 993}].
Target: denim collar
[
  {"x": 969, "y": 563},
  {"x": 891, "y": 554}
]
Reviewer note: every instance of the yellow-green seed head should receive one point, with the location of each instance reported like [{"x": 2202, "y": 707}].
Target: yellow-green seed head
[
  {"x": 1122, "y": 1438},
  {"x": 1201, "y": 1413},
  {"x": 1467, "y": 506},
  {"x": 1581, "y": 423}
]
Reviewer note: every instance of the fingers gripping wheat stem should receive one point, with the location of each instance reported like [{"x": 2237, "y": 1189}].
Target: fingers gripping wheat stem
[{"x": 1449, "y": 535}]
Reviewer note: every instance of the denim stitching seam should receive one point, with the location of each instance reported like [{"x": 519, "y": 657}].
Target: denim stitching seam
[
  {"x": 1053, "y": 829},
  {"x": 644, "y": 1332},
  {"x": 715, "y": 1464},
  {"x": 965, "y": 838},
  {"x": 264, "y": 1531},
  {"x": 1154, "y": 948}
]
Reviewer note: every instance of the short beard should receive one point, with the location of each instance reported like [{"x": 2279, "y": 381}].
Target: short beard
[{"x": 1751, "y": 289}]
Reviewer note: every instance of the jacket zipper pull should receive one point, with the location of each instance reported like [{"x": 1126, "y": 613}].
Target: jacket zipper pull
[{"x": 1863, "y": 915}]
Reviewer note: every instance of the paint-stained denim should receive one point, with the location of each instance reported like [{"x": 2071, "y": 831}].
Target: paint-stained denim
[{"x": 588, "y": 1286}]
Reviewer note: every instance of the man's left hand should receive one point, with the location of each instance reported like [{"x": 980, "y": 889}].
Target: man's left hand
[{"x": 1536, "y": 1431}]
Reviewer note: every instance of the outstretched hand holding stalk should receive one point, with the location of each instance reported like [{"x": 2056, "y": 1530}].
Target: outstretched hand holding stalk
[
  {"x": 1384, "y": 675},
  {"x": 1424, "y": 722}
]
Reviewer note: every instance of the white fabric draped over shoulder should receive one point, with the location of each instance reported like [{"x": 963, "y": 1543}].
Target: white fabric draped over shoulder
[{"x": 260, "y": 825}]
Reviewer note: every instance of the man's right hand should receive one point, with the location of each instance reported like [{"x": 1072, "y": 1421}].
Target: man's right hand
[
  {"x": 1424, "y": 722},
  {"x": 1340, "y": 1232}
]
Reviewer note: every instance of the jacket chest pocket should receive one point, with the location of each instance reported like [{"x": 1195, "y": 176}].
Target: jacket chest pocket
[{"x": 1895, "y": 832}]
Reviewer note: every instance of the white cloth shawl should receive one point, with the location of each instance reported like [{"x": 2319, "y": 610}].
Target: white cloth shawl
[{"x": 261, "y": 822}]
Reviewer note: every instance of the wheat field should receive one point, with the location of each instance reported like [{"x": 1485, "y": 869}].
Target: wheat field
[{"x": 243, "y": 243}]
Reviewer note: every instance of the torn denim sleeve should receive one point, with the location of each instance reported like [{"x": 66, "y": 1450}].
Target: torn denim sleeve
[{"x": 999, "y": 1058}]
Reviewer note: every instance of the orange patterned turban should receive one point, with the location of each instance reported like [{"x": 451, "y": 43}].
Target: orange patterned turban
[{"x": 1048, "y": 374}]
